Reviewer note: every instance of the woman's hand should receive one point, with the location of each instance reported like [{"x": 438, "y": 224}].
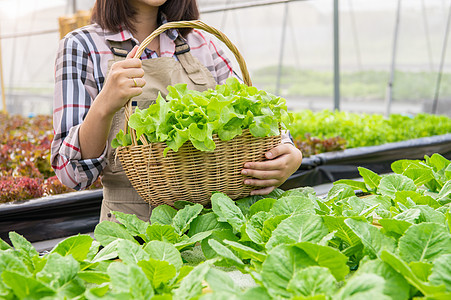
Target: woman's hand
[
  {"x": 124, "y": 81},
  {"x": 119, "y": 87},
  {"x": 283, "y": 161}
]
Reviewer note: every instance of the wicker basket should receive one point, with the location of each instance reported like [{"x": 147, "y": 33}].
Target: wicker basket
[{"x": 190, "y": 174}]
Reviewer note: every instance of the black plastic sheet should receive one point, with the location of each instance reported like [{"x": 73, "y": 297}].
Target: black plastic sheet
[
  {"x": 332, "y": 166},
  {"x": 52, "y": 217}
]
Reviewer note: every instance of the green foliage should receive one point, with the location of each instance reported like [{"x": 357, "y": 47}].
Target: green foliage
[
  {"x": 194, "y": 116},
  {"x": 361, "y": 130},
  {"x": 392, "y": 243}
]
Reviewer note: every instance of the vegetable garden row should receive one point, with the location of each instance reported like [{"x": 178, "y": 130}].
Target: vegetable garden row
[
  {"x": 386, "y": 237},
  {"x": 26, "y": 173}
]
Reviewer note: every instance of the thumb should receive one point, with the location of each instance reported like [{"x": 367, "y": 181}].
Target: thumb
[
  {"x": 132, "y": 53},
  {"x": 276, "y": 151}
]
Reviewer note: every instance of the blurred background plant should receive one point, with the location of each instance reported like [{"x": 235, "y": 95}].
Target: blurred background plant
[
  {"x": 326, "y": 130},
  {"x": 25, "y": 169}
]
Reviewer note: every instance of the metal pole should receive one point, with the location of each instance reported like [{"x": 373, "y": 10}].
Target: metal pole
[
  {"x": 5, "y": 110},
  {"x": 282, "y": 44},
  {"x": 426, "y": 31},
  {"x": 224, "y": 16},
  {"x": 74, "y": 6},
  {"x": 336, "y": 58},
  {"x": 354, "y": 35},
  {"x": 442, "y": 61},
  {"x": 389, "y": 95}
]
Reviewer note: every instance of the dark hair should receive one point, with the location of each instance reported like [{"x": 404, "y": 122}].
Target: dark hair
[{"x": 112, "y": 14}]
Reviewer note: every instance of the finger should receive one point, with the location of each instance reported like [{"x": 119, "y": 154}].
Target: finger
[
  {"x": 278, "y": 151},
  {"x": 134, "y": 73},
  {"x": 136, "y": 91},
  {"x": 132, "y": 63},
  {"x": 138, "y": 82},
  {"x": 132, "y": 53},
  {"x": 261, "y": 182},
  {"x": 259, "y": 174},
  {"x": 274, "y": 164},
  {"x": 264, "y": 191}
]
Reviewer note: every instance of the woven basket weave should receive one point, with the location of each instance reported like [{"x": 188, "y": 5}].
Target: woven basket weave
[{"x": 190, "y": 174}]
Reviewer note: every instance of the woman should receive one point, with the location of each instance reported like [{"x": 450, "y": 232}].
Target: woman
[{"x": 95, "y": 77}]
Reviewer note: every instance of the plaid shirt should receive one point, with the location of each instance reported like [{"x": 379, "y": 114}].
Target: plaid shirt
[{"x": 80, "y": 70}]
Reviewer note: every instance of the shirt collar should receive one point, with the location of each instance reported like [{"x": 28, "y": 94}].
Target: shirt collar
[{"x": 167, "y": 38}]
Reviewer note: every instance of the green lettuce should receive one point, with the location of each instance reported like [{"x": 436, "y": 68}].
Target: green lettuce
[{"x": 188, "y": 115}]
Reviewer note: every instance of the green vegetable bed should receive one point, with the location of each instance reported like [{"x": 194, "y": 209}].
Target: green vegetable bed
[
  {"x": 386, "y": 237},
  {"x": 325, "y": 131}
]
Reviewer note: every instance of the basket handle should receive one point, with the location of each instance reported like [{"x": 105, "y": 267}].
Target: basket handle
[{"x": 197, "y": 24}]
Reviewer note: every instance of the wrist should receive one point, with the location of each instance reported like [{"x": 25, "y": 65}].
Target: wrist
[{"x": 102, "y": 108}]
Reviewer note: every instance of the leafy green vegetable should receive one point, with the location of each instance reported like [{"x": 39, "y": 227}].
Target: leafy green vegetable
[
  {"x": 191, "y": 285},
  {"x": 298, "y": 228},
  {"x": 392, "y": 243},
  {"x": 371, "y": 237},
  {"x": 393, "y": 183},
  {"x": 130, "y": 252},
  {"x": 157, "y": 271},
  {"x": 401, "y": 267},
  {"x": 133, "y": 224},
  {"x": 185, "y": 216},
  {"x": 129, "y": 281},
  {"x": 194, "y": 116},
  {"x": 164, "y": 233},
  {"x": 107, "y": 232},
  {"x": 206, "y": 222},
  {"x": 226, "y": 210},
  {"x": 424, "y": 242},
  {"x": 225, "y": 252},
  {"x": 163, "y": 214},
  {"x": 4, "y": 245},
  {"x": 77, "y": 246},
  {"x": 441, "y": 271},
  {"x": 364, "y": 286},
  {"x": 165, "y": 252},
  {"x": 280, "y": 266},
  {"x": 327, "y": 257},
  {"x": 396, "y": 286},
  {"x": 294, "y": 204},
  {"x": 312, "y": 281},
  {"x": 26, "y": 287}
]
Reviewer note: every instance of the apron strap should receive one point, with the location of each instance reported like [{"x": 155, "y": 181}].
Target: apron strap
[
  {"x": 119, "y": 49},
  {"x": 188, "y": 62}
]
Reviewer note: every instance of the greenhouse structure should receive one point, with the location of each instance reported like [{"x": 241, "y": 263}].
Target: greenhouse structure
[{"x": 225, "y": 149}]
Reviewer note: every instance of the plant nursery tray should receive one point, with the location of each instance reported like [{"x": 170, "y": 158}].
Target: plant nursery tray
[{"x": 332, "y": 166}]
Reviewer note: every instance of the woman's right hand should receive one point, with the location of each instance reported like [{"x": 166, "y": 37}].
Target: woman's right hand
[{"x": 124, "y": 81}]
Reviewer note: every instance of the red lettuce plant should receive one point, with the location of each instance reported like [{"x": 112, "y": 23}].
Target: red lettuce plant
[
  {"x": 25, "y": 168},
  {"x": 313, "y": 145},
  {"x": 20, "y": 188}
]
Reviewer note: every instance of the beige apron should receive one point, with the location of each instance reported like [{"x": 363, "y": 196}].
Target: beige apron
[{"x": 118, "y": 193}]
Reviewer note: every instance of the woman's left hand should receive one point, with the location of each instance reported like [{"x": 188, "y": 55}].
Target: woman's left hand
[{"x": 283, "y": 161}]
